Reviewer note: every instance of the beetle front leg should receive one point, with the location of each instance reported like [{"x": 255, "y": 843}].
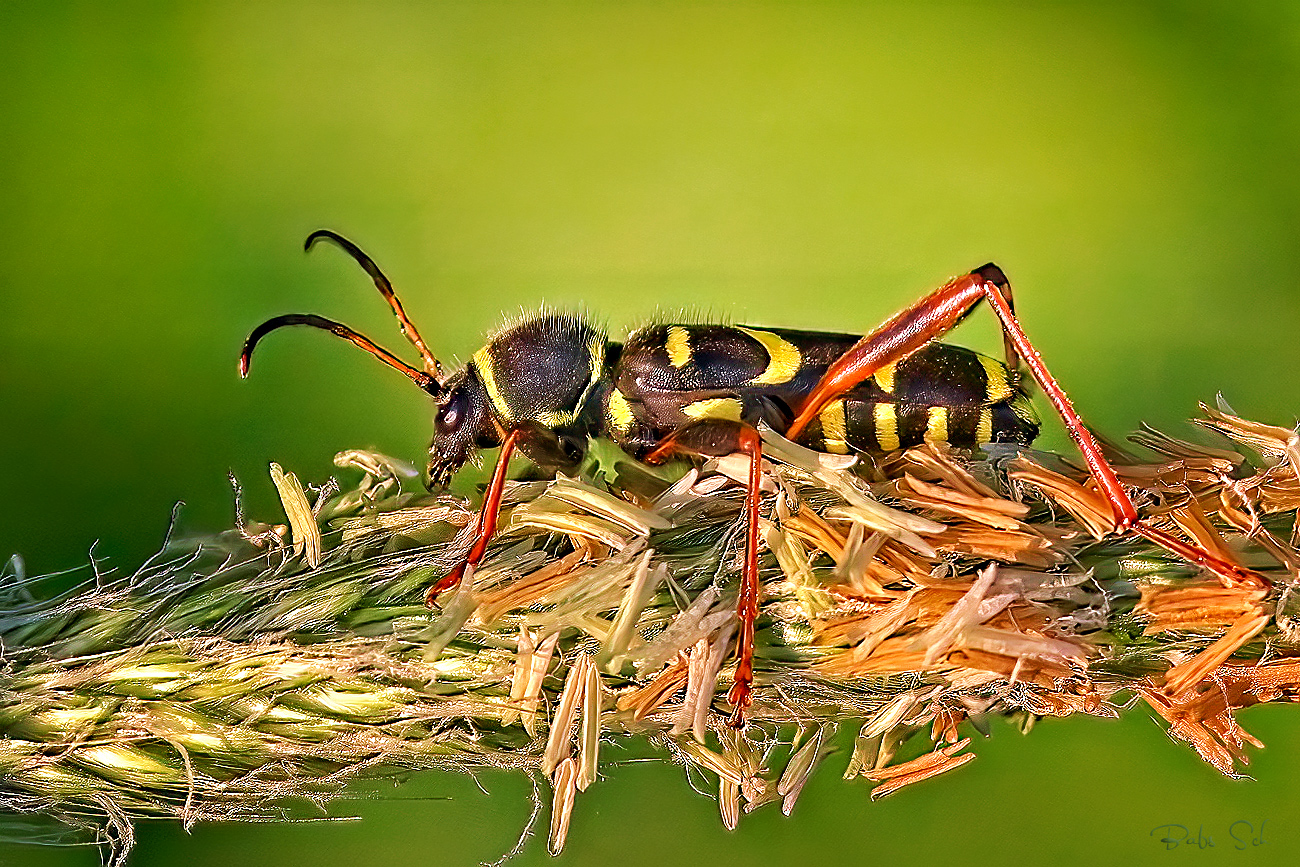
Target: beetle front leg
[
  {"x": 486, "y": 524},
  {"x": 724, "y": 437}
]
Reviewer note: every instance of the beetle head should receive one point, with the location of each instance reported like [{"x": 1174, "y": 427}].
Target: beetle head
[
  {"x": 462, "y": 425},
  {"x": 535, "y": 374}
]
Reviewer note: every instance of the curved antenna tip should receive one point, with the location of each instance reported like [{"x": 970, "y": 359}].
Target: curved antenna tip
[
  {"x": 314, "y": 237},
  {"x": 331, "y": 235}
]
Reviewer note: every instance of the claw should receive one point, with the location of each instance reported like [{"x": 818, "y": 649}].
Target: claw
[
  {"x": 741, "y": 697},
  {"x": 446, "y": 582}
]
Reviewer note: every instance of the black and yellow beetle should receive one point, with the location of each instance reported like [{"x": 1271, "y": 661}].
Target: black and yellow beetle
[{"x": 548, "y": 383}]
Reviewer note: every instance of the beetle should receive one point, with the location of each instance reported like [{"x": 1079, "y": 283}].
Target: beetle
[{"x": 548, "y": 382}]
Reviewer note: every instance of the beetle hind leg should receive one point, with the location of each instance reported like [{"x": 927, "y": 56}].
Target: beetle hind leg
[{"x": 936, "y": 314}]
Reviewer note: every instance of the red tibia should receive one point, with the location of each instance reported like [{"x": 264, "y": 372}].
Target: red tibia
[
  {"x": 930, "y": 318},
  {"x": 741, "y": 695},
  {"x": 487, "y": 521},
  {"x": 1125, "y": 512}
]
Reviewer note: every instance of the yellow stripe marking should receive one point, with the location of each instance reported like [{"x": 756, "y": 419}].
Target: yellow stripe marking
[
  {"x": 936, "y": 424},
  {"x": 984, "y": 429},
  {"x": 835, "y": 428},
  {"x": 997, "y": 385},
  {"x": 886, "y": 426},
  {"x": 884, "y": 378},
  {"x": 556, "y": 419},
  {"x": 621, "y": 418},
  {"x": 678, "y": 345},
  {"x": 784, "y": 358},
  {"x": 596, "y": 352},
  {"x": 722, "y": 408},
  {"x": 483, "y": 364}
]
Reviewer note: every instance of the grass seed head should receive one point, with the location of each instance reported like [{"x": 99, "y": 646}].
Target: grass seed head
[{"x": 908, "y": 597}]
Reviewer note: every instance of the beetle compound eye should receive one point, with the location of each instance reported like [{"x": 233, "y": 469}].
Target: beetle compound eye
[{"x": 451, "y": 415}]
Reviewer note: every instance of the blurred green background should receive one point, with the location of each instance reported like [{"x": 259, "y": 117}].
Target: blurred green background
[{"x": 1134, "y": 167}]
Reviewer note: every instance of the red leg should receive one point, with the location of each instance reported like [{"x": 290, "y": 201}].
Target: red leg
[
  {"x": 487, "y": 521},
  {"x": 1126, "y": 515},
  {"x": 1231, "y": 574},
  {"x": 747, "y": 440},
  {"x": 1125, "y": 512},
  {"x": 936, "y": 314}
]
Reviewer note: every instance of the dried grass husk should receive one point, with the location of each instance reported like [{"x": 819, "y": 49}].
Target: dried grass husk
[{"x": 912, "y": 596}]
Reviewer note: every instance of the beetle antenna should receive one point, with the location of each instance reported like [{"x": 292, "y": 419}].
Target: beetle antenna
[
  {"x": 425, "y": 380},
  {"x": 385, "y": 288}
]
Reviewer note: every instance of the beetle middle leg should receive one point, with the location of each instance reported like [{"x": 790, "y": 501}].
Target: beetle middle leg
[
  {"x": 713, "y": 437},
  {"x": 936, "y": 314}
]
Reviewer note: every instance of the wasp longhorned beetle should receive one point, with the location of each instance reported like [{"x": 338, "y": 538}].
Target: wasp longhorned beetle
[{"x": 549, "y": 382}]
